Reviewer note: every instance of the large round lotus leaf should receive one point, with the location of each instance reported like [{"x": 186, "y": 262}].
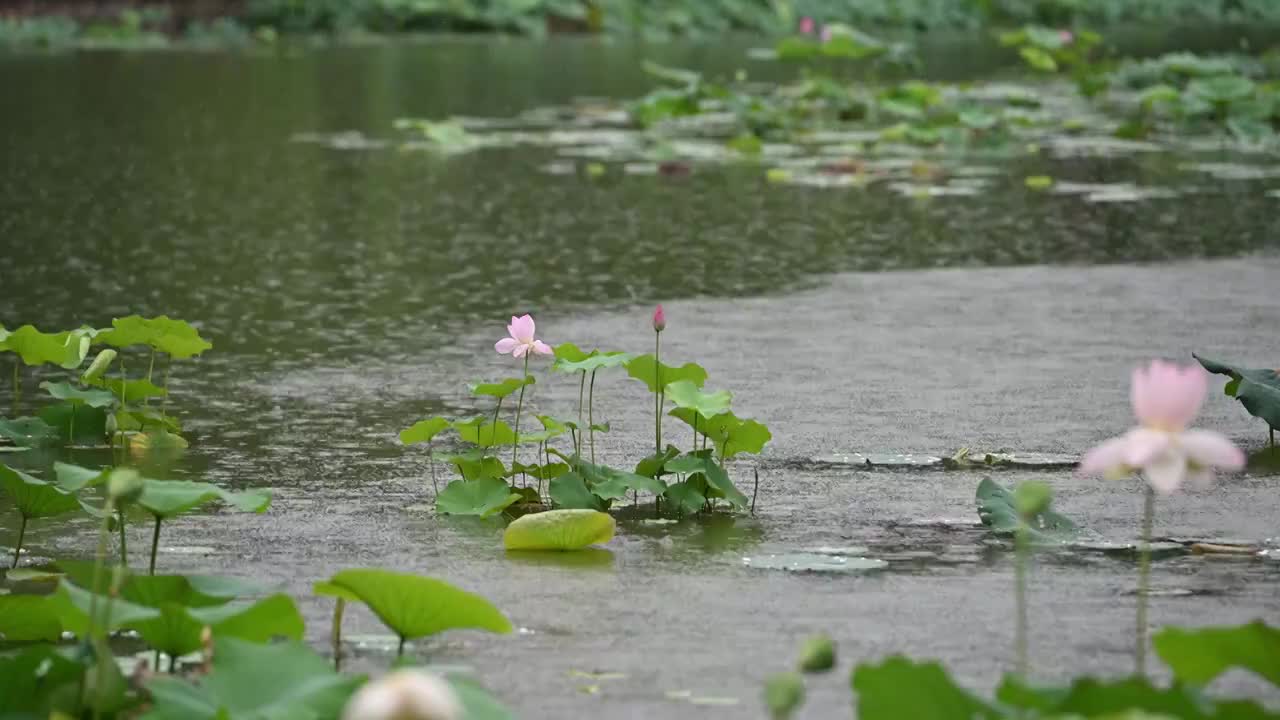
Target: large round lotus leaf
[{"x": 559, "y": 530}]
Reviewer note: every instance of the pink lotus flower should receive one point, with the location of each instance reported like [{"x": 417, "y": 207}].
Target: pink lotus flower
[
  {"x": 1066, "y": 37},
  {"x": 1166, "y": 398},
  {"x": 521, "y": 340},
  {"x": 806, "y": 26},
  {"x": 826, "y": 34},
  {"x": 659, "y": 319}
]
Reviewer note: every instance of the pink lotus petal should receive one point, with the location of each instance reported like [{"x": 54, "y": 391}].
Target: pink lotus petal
[
  {"x": 659, "y": 319},
  {"x": 1104, "y": 458},
  {"x": 542, "y": 348},
  {"x": 1166, "y": 396},
  {"x": 1143, "y": 446},
  {"x": 806, "y": 26},
  {"x": 522, "y": 328},
  {"x": 1211, "y": 450},
  {"x": 505, "y": 345},
  {"x": 520, "y": 351},
  {"x": 1166, "y": 471}
]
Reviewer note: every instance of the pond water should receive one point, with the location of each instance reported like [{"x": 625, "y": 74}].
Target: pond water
[{"x": 351, "y": 292}]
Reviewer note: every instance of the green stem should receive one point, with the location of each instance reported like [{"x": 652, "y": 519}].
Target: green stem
[
  {"x": 151, "y": 368},
  {"x": 124, "y": 545},
  {"x": 17, "y": 384},
  {"x": 400, "y": 650},
  {"x": 104, "y": 532},
  {"x": 577, "y": 437},
  {"x": 71, "y": 431},
  {"x": 695, "y": 431},
  {"x": 515, "y": 436},
  {"x": 591, "y": 415},
  {"x": 155, "y": 544},
  {"x": 1144, "y": 581},
  {"x": 1273, "y": 437},
  {"x": 432, "y": 462},
  {"x": 336, "y": 636},
  {"x": 1020, "y": 598},
  {"x": 164, "y": 399},
  {"x": 493, "y": 433},
  {"x": 22, "y": 532},
  {"x": 657, "y": 396},
  {"x": 124, "y": 387}
]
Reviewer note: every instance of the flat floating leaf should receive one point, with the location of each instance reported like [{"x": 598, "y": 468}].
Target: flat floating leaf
[
  {"x": 1199, "y": 656},
  {"x": 814, "y": 562},
  {"x": 423, "y": 430},
  {"x": 484, "y": 497},
  {"x": 413, "y": 606},
  {"x": 559, "y": 530}
]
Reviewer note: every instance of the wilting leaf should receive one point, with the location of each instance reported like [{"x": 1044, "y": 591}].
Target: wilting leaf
[
  {"x": 687, "y": 395},
  {"x": 177, "y": 338},
  {"x": 413, "y": 606},
  {"x": 1258, "y": 390},
  {"x": 285, "y": 680},
  {"x": 26, "y": 618},
  {"x": 570, "y": 491},
  {"x": 1198, "y": 656},
  {"x": 559, "y": 530},
  {"x": 503, "y": 388},
  {"x": 34, "y": 497},
  {"x": 900, "y": 688},
  {"x": 423, "y": 430},
  {"x": 70, "y": 393},
  {"x": 997, "y": 509},
  {"x": 168, "y": 498},
  {"x": 643, "y": 368},
  {"x": 485, "y": 496}
]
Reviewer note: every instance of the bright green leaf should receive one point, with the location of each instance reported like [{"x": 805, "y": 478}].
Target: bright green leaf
[
  {"x": 26, "y": 618},
  {"x": 485, "y": 496},
  {"x": 559, "y": 530},
  {"x": 570, "y": 491},
  {"x": 1198, "y": 656},
  {"x": 686, "y": 394},
  {"x": 66, "y": 349},
  {"x": 901, "y": 688},
  {"x": 413, "y": 606},
  {"x": 643, "y": 368},
  {"x": 34, "y": 497},
  {"x": 70, "y": 393},
  {"x": 168, "y": 498},
  {"x": 503, "y": 388},
  {"x": 423, "y": 430},
  {"x": 176, "y": 337}
]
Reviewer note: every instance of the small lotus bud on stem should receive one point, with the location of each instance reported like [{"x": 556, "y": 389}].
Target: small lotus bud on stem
[{"x": 659, "y": 319}]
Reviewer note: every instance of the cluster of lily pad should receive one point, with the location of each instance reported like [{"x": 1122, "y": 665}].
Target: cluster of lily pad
[{"x": 563, "y": 472}]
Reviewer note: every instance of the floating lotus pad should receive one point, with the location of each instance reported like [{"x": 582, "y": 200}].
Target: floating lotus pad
[{"x": 559, "y": 530}]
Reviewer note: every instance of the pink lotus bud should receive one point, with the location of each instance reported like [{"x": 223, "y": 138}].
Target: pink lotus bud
[
  {"x": 806, "y": 26},
  {"x": 659, "y": 319},
  {"x": 1066, "y": 37}
]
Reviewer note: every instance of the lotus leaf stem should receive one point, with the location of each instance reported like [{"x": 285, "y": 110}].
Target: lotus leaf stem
[
  {"x": 1144, "y": 582},
  {"x": 515, "y": 436},
  {"x": 124, "y": 545},
  {"x": 577, "y": 437},
  {"x": 336, "y": 635},
  {"x": 151, "y": 368},
  {"x": 1020, "y": 598},
  {"x": 17, "y": 384},
  {"x": 104, "y": 532},
  {"x": 22, "y": 532},
  {"x": 400, "y": 650},
  {"x": 755, "y": 491},
  {"x": 432, "y": 463},
  {"x": 155, "y": 544},
  {"x": 591, "y": 415},
  {"x": 493, "y": 432}
]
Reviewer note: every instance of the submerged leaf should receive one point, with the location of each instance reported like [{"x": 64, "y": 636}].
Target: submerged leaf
[
  {"x": 413, "y": 606},
  {"x": 559, "y": 530}
]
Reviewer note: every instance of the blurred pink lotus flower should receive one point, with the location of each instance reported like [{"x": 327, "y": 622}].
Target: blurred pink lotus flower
[
  {"x": 826, "y": 34},
  {"x": 1066, "y": 37},
  {"x": 521, "y": 340},
  {"x": 659, "y": 319},
  {"x": 806, "y": 26},
  {"x": 1166, "y": 398}
]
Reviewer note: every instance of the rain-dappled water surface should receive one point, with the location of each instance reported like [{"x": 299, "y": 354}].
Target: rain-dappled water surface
[{"x": 351, "y": 291}]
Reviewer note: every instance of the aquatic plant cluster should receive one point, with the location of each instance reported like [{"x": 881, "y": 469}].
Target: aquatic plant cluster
[{"x": 680, "y": 481}]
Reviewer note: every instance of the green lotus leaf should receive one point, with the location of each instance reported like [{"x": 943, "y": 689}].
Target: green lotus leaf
[
  {"x": 484, "y": 497},
  {"x": 485, "y": 433},
  {"x": 70, "y": 393},
  {"x": 503, "y": 388},
  {"x": 423, "y": 430},
  {"x": 610, "y": 484},
  {"x": 29, "y": 432},
  {"x": 132, "y": 389},
  {"x": 559, "y": 530},
  {"x": 541, "y": 472},
  {"x": 717, "y": 479},
  {"x": 477, "y": 703},
  {"x": 32, "y": 679},
  {"x": 475, "y": 464},
  {"x": 1038, "y": 59},
  {"x": 65, "y": 349},
  {"x": 998, "y": 510},
  {"x": 74, "y": 603},
  {"x": 34, "y": 497},
  {"x": 177, "y": 630},
  {"x": 73, "y": 478},
  {"x": 88, "y": 423},
  {"x": 688, "y": 496},
  {"x": 1133, "y": 697},
  {"x": 1222, "y": 90},
  {"x": 1258, "y": 390},
  {"x": 655, "y": 464},
  {"x": 413, "y": 606},
  {"x": 645, "y": 369},
  {"x": 686, "y": 394},
  {"x": 731, "y": 435},
  {"x": 98, "y": 367},
  {"x": 783, "y": 694},
  {"x": 901, "y": 688},
  {"x": 282, "y": 681},
  {"x": 169, "y": 498},
  {"x": 27, "y": 618},
  {"x": 593, "y": 361},
  {"x": 176, "y": 337},
  {"x": 570, "y": 491},
  {"x": 1200, "y": 655}
]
